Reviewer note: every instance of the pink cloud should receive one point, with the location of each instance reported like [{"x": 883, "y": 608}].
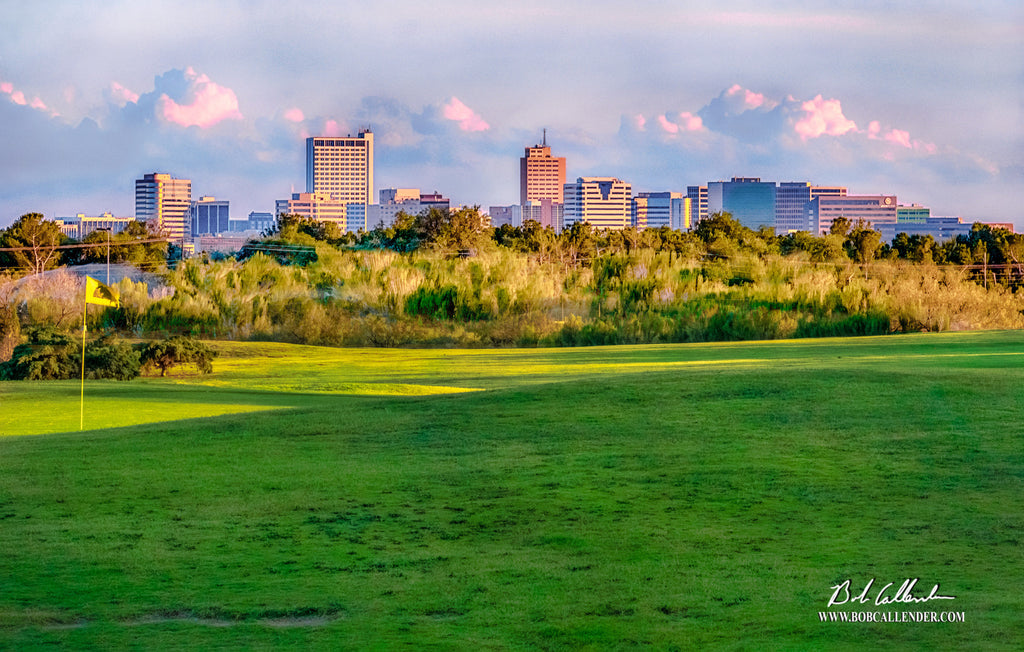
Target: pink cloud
[
  {"x": 18, "y": 97},
  {"x": 823, "y": 117},
  {"x": 669, "y": 127},
  {"x": 899, "y": 137},
  {"x": 640, "y": 121},
  {"x": 122, "y": 95},
  {"x": 467, "y": 118},
  {"x": 750, "y": 99},
  {"x": 211, "y": 103},
  {"x": 294, "y": 115},
  {"x": 691, "y": 122},
  {"x": 331, "y": 128},
  {"x": 873, "y": 129}
]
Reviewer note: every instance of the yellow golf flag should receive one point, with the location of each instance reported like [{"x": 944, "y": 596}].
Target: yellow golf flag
[{"x": 100, "y": 294}]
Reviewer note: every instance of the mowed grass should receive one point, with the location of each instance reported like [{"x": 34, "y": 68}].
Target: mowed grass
[{"x": 690, "y": 497}]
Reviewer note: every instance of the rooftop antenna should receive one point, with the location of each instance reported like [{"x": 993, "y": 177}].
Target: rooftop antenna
[{"x": 545, "y": 143}]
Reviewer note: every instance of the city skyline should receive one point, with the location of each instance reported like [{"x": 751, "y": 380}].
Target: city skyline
[{"x": 922, "y": 101}]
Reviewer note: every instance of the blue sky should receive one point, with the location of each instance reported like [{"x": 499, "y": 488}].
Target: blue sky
[{"x": 924, "y": 100}]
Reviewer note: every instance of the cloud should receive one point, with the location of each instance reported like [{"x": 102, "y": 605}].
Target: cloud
[
  {"x": 18, "y": 97},
  {"x": 294, "y": 115},
  {"x": 823, "y": 117},
  {"x": 749, "y": 99},
  {"x": 332, "y": 128},
  {"x": 691, "y": 122},
  {"x": 121, "y": 95},
  {"x": 687, "y": 122},
  {"x": 209, "y": 103},
  {"x": 899, "y": 137},
  {"x": 467, "y": 119}
]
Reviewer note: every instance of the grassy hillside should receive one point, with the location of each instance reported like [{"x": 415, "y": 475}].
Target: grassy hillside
[{"x": 686, "y": 496}]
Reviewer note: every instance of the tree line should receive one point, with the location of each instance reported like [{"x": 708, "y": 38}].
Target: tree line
[
  {"x": 33, "y": 244},
  {"x": 447, "y": 279}
]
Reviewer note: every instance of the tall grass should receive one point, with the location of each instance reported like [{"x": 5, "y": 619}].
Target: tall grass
[{"x": 506, "y": 298}]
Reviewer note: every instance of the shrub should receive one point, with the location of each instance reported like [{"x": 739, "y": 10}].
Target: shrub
[
  {"x": 177, "y": 350},
  {"x": 52, "y": 355},
  {"x": 110, "y": 358}
]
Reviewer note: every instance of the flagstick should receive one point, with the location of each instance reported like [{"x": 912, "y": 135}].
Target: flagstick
[{"x": 81, "y": 410}]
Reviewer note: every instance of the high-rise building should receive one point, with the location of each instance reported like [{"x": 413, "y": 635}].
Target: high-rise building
[
  {"x": 698, "y": 196},
  {"x": 541, "y": 175},
  {"x": 208, "y": 216},
  {"x": 604, "y": 202},
  {"x": 874, "y": 210},
  {"x": 341, "y": 167},
  {"x": 682, "y": 214},
  {"x": 653, "y": 210},
  {"x": 748, "y": 199},
  {"x": 792, "y": 199},
  {"x": 164, "y": 202},
  {"x": 546, "y": 212}
]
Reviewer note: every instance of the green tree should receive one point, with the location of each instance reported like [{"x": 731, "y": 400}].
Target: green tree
[
  {"x": 577, "y": 245},
  {"x": 35, "y": 241},
  {"x": 840, "y": 226},
  {"x": 301, "y": 229},
  {"x": 862, "y": 243},
  {"x": 463, "y": 229}
]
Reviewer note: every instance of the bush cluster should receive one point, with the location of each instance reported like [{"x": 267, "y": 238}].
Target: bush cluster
[{"x": 50, "y": 354}]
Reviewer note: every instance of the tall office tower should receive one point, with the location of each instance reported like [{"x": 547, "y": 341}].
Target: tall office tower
[
  {"x": 749, "y": 200},
  {"x": 541, "y": 175},
  {"x": 791, "y": 199},
  {"x": 698, "y": 196},
  {"x": 164, "y": 202},
  {"x": 207, "y": 216},
  {"x": 874, "y": 210},
  {"x": 604, "y": 202},
  {"x": 341, "y": 167},
  {"x": 653, "y": 210},
  {"x": 546, "y": 212},
  {"x": 682, "y": 214}
]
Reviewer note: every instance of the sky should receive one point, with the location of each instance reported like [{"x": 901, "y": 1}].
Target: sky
[{"x": 924, "y": 100}]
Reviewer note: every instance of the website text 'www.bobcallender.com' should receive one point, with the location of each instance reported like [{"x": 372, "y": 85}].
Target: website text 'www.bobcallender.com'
[{"x": 891, "y": 616}]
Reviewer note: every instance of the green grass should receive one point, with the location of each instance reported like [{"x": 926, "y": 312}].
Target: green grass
[{"x": 659, "y": 496}]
